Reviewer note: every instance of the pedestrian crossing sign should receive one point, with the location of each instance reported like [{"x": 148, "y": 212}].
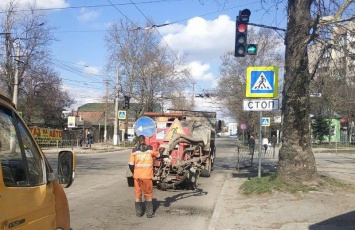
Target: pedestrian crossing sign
[
  {"x": 262, "y": 81},
  {"x": 121, "y": 114},
  {"x": 265, "y": 121}
]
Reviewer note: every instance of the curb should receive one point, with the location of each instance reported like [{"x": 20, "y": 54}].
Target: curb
[
  {"x": 219, "y": 204},
  {"x": 80, "y": 151}
]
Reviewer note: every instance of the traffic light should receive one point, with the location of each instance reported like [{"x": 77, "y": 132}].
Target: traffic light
[
  {"x": 126, "y": 102},
  {"x": 241, "y": 33},
  {"x": 251, "y": 49}
]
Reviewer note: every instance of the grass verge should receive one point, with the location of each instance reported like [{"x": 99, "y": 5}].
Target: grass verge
[{"x": 270, "y": 182}]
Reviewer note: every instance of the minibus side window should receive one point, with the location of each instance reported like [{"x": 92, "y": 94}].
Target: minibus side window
[
  {"x": 21, "y": 163},
  {"x": 35, "y": 163}
]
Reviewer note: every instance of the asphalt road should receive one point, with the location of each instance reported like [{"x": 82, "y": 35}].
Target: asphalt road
[{"x": 100, "y": 198}]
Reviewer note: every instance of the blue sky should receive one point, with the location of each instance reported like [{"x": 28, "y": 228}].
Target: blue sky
[{"x": 205, "y": 29}]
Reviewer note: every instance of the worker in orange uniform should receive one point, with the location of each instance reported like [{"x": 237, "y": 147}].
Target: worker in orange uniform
[{"x": 141, "y": 165}]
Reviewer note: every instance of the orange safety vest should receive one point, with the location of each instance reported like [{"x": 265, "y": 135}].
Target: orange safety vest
[{"x": 143, "y": 162}]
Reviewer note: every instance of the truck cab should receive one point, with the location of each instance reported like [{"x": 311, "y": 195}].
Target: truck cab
[{"x": 31, "y": 193}]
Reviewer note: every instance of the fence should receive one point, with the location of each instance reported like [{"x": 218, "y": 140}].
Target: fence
[
  {"x": 246, "y": 159},
  {"x": 50, "y": 143},
  {"x": 272, "y": 153},
  {"x": 334, "y": 147}
]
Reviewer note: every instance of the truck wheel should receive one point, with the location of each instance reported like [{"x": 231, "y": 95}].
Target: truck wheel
[{"x": 207, "y": 171}]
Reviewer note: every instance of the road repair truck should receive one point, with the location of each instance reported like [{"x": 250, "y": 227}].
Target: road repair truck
[{"x": 188, "y": 138}]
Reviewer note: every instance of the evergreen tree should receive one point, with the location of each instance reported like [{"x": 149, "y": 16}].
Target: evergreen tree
[{"x": 320, "y": 128}]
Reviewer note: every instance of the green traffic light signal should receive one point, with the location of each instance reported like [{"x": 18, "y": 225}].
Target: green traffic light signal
[{"x": 252, "y": 49}]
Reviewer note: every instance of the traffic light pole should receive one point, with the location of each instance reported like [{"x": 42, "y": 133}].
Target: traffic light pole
[
  {"x": 269, "y": 27},
  {"x": 116, "y": 128}
]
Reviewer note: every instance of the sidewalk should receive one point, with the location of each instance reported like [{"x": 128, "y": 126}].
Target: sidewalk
[
  {"x": 320, "y": 210},
  {"x": 96, "y": 147}
]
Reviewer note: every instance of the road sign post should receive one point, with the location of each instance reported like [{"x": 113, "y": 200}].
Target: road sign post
[
  {"x": 243, "y": 127},
  {"x": 260, "y": 143},
  {"x": 261, "y": 82}
]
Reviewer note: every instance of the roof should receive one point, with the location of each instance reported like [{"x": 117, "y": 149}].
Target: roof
[
  {"x": 92, "y": 116},
  {"x": 91, "y": 107},
  {"x": 95, "y": 112}
]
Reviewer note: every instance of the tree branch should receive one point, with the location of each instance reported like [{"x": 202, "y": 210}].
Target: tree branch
[{"x": 336, "y": 18}]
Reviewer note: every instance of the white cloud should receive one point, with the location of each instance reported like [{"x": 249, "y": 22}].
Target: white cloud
[
  {"x": 43, "y": 4},
  {"x": 202, "y": 39},
  {"x": 88, "y": 69},
  {"x": 81, "y": 96},
  {"x": 199, "y": 71},
  {"x": 87, "y": 15},
  {"x": 101, "y": 26},
  {"x": 91, "y": 70},
  {"x": 204, "y": 42}
]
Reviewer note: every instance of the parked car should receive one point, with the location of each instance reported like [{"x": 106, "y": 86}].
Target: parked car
[{"x": 130, "y": 137}]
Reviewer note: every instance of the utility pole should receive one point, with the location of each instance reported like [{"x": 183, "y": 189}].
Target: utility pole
[
  {"x": 105, "y": 131},
  {"x": 116, "y": 128},
  {"x": 193, "y": 95},
  {"x": 15, "y": 95},
  {"x": 17, "y": 59}
]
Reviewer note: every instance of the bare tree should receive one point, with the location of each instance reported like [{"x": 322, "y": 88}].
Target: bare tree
[
  {"x": 27, "y": 41},
  {"x": 43, "y": 97},
  {"x": 179, "y": 101},
  {"x": 147, "y": 69}
]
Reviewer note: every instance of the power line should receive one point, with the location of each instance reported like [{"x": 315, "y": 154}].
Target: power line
[
  {"x": 72, "y": 69},
  {"x": 61, "y": 64},
  {"x": 202, "y": 15},
  {"x": 90, "y": 6},
  {"x": 155, "y": 29},
  {"x": 120, "y": 12}
]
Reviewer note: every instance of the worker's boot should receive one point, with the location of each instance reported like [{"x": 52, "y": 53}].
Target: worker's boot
[
  {"x": 139, "y": 208},
  {"x": 149, "y": 209}
]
